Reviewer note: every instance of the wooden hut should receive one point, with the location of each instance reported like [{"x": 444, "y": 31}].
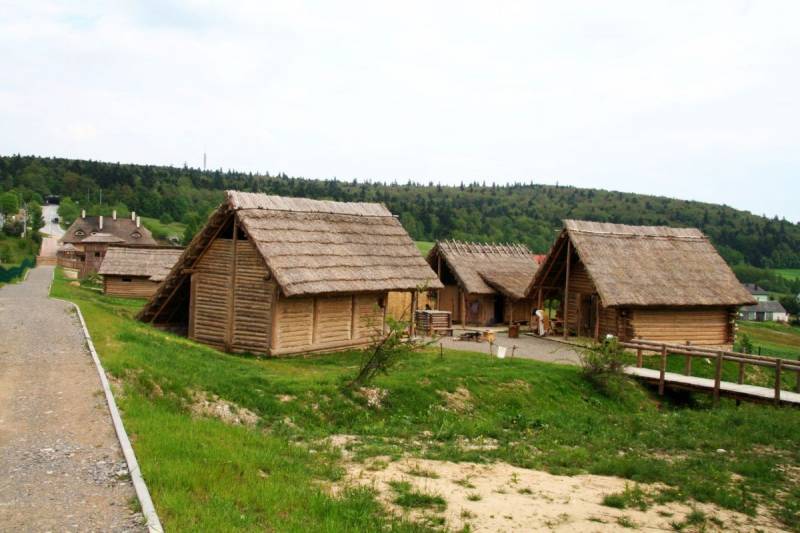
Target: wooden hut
[
  {"x": 135, "y": 272},
  {"x": 278, "y": 276},
  {"x": 484, "y": 284},
  {"x": 656, "y": 283}
]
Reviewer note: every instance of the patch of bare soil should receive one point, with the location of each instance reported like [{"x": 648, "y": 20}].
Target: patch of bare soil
[
  {"x": 459, "y": 401},
  {"x": 501, "y": 497},
  {"x": 213, "y": 406}
]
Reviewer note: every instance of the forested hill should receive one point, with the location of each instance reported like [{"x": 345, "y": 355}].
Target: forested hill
[{"x": 526, "y": 213}]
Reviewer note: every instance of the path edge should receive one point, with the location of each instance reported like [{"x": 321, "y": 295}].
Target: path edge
[{"x": 142, "y": 492}]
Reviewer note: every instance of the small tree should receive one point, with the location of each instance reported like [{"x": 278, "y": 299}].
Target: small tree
[
  {"x": 384, "y": 352},
  {"x": 9, "y": 204},
  {"x": 603, "y": 365}
]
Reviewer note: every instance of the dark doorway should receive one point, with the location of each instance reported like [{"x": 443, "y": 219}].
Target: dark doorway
[{"x": 499, "y": 309}]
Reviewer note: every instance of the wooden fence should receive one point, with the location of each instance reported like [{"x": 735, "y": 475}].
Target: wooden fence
[{"x": 661, "y": 350}]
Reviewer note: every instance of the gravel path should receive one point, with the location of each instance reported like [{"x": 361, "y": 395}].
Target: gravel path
[
  {"x": 61, "y": 467},
  {"x": 540, "y": 349}
]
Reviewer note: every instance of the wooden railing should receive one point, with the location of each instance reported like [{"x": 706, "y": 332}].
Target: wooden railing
[{"x": 661, "y": 350}]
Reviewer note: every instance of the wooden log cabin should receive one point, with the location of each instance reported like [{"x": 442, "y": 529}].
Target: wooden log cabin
[
  {"x": 279, "y": 276},
  {"x": 484, "y": 284},
  {"x": 136, "y": 271},
  {"x": 650, "y": 282}
]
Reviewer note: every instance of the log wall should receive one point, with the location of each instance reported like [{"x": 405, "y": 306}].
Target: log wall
[
  {"x": 450, "y": 297},
  {"x": 211, "y": 284},
  {"x": 252, "y": 302},
  {"x": 398, "y": 304},
  {"x": 135, "y": 287},
  {"x": 700, "y": 326}
]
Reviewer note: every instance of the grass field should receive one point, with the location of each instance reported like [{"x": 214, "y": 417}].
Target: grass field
[
  {"x": 208, "y": 475},
  {"x": 424, "y": 246},
  {"x": 788, "y": 273},
  {"x": 163, "y": 231}
]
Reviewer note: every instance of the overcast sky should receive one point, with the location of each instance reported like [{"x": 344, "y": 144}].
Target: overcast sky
[{"x": 696, "y": 100}]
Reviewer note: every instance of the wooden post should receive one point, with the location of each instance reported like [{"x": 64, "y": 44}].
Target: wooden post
[
  {"x": 540, "y": 299},
  {"x": 413, "y": 326},
  {"x": 510, "y": 304},
  {"x": 463, "y": 308},
  {"x": 687, "y": 370},
  {"x": 439, "y": 274},
  {"x": 717, "y": 377},
  {"x": 741, "y": 372},
  {"x": 566, "y": 290},
  {"x": 778, "y": 365},
  {"x": 797, "y": 384},
  {"x": 274, "y": 341},
  {"x": 597, "y": 319},
  {"x": 353, "y": 316},
  {"x": 639, "y": 359},
  {"x": 662, "y": 370}
]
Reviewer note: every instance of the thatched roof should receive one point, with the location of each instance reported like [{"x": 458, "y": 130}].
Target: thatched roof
[
  {"x": 315, "y": 247},
  {"x": 124, "y": 229},
  {"x": 487, "y": 268},
  {"x": 648, "y": 265},
  {"x": 154, "y": 263}
]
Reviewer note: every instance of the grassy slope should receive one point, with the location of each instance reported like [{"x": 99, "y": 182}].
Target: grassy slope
[
  {"x": 205, "y": 475},
  {"x": 15, "y": 250},
  {"x": 774, "y": 339}
]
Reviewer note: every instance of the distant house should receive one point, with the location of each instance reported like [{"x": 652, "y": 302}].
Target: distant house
[
  {"x": 484, "y": 284},
  {"x": 758, "y": 293},
  {"x": 91, "y": 236},
  {"x": 656, "y": 283},
  {"x": 278, "y": 276},
  {"x": 135, "y": 272},
  {"x": 765, "y": 310}
]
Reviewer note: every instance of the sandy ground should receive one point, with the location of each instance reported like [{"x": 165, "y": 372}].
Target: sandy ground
[
  {"x": 61, "y": 467},
  {"x": 540, "y": 349},
  {"x": 500, "y": 497}
]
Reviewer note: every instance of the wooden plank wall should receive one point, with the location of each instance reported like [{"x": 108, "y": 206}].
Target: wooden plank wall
[
  {"x": 326, "y": 322},
  {"x": 700, "y": 326},
  {"x": 451, "y": 301},
  {"x": 137, "y": 287},
  {"x": 398, "y": 304},
  {"x": 252, "y": 303},
  {"x": 522, "y": 310},
  {"x": 212, "y": 282}
]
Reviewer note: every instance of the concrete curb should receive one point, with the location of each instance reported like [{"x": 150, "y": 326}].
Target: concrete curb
[{"x": 146, "y": 502}]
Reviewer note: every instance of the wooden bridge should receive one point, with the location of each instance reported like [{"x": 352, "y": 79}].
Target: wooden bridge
[{"x": 715, "y": 385}]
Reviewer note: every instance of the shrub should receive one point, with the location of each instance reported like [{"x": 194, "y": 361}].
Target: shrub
[{"x": 603, "y": 365}]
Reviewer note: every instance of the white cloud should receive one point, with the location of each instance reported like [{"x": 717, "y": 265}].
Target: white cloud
[{"x": 690, "y": 99}]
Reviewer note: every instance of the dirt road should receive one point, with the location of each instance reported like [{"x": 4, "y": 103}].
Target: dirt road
[{"x": 61, "y": 467}]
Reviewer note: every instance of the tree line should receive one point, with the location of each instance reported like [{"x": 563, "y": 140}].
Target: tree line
[{"x": 519, "y": 212}]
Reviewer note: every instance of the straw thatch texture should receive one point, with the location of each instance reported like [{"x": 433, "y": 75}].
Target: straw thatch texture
[
  {"x": 124, "y": 229},
  {"x": 314, "y": 252},
  {"x": 653, "y": 266},
  {"x": 488, "y": 268},
  {"x": 152, "y": 263}
]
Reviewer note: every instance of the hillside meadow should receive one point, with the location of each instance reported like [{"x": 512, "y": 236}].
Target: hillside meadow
[{"x": 285, "y": 468}]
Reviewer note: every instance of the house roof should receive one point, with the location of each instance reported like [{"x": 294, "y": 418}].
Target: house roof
[
  {"x": 488, "y": 268},
  {"x": 649, "y": 265},
  {"x": 67, "y": 248},
  {"x": 755, "y": 290},
  {"x": 123, "y": 228},
  {"x": 102, "y": 238},
  {"x": 153, "y": 263},
  {"x": 317, "y": 247},
  {"x": 769, "y": 306}
]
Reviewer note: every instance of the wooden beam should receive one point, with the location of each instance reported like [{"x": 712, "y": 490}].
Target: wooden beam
[
  {"x": 439, "y": 274},
  {"x": 597, "y": 318},
  {"x": 662, "y": 370},
  {"x": 413, "y": 325},
  {"x": 717, "y": 377},
  {"x": 314, "y": 320},
  {"x": 566, "y": 289},
  {"x": 463, "y": 307},
  {"x": 778, "y": 365},
  {"x": 231, "y": 304},
  {"x": 353, "y": 316}
]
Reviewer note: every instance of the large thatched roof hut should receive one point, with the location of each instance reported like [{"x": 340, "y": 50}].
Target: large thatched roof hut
[
  {"x": 652, "y": 282},
  {"x": 135, "y": 272},
  {"x": 484, "y": 284},
  {"x": 275, "y": 275}
]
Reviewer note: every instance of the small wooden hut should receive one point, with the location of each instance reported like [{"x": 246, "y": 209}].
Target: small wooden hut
[
  {"x": 278, "y": 276},
  {"x": 484, "y": 284},
  {"x": 651, "y": 282},
  {"x": 135, "y": 272}
]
